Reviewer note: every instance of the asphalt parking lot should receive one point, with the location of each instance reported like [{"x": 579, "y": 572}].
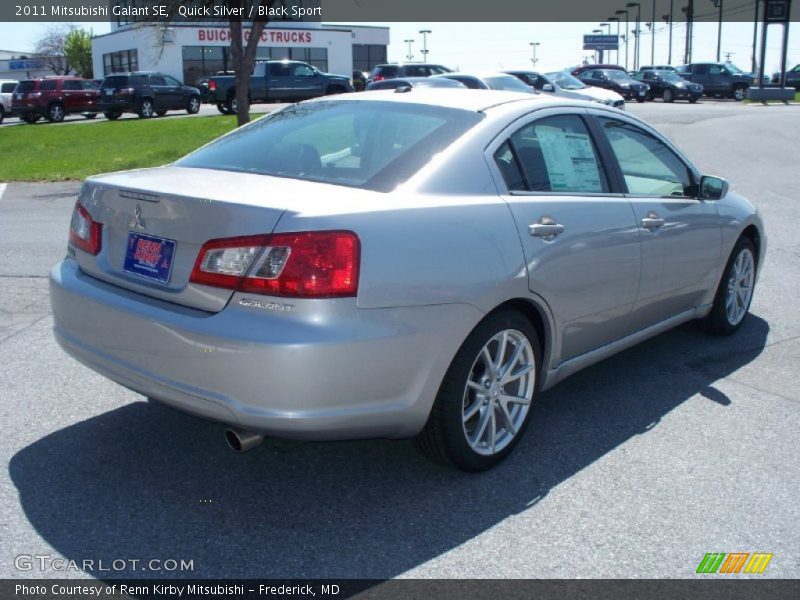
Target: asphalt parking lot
[{"x": 635, "y": 467}]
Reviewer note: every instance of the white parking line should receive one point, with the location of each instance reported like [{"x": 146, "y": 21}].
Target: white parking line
[{"x": 2, "y": 189}]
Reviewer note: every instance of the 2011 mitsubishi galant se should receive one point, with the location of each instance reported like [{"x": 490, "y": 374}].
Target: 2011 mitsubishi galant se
[{"x": 399, "y": 264}]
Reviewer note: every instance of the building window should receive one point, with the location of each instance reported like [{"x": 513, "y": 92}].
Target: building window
[
  {"x": 120, "y": 62},
  {"x": 367, "y": 56},
  {"x": 202, "y": 61}
]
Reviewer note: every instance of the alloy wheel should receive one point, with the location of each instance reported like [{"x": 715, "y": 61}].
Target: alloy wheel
[
  {"x": 740, "y": 287},
  {"x": 498, "y": 392}
]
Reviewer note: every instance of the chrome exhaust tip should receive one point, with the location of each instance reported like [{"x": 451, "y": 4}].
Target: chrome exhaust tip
[{"x": 241, "y": 440}]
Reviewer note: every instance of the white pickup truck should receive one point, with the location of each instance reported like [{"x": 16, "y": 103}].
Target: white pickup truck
[{"x": 6, "y": 90}]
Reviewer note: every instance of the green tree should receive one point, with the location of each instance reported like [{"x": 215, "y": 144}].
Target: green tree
[{"x": 78, "y": 50}]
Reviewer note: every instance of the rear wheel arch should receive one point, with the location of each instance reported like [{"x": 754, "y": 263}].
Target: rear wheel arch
[{"x": 538, "y": 318}]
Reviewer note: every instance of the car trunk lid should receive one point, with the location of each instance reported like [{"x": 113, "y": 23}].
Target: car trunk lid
[{"x": 171, "y": 212}]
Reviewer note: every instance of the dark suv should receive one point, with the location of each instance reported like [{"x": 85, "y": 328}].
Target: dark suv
[
  {"x": 382, "y": 72},
  {"x": 717, "y": 79},
  {"x": 54, "y": 98},
  {"x": 146, "y": 94},
  {"x": 792, "y": 78}
]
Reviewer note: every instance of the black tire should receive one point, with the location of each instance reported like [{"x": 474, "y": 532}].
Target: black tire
[
  {"x": 693, "y": 100},
  {"x": 335, "y": 89},
  {"x": 718, "y": 322},
  {"x": 112, "y": 115},
  {"x": 444, "y": 438},
  {"x": 146, "y": 109},
  {"x": 668, "y": 97},
  {"x": 641, "y": 99},
  {"x": 55, "y": 112},
  {"x": 223, "y": 108},
  {"x": 2, "y": 114},
  {"x": 30, "y": 119},
  {"x": 231, "y": 104},
  {"x": 90, "y": 116},
  {"x": 739, "y": 93},
  {"x": 160, "y": 113},
  {"x": 193, "y": 105}
]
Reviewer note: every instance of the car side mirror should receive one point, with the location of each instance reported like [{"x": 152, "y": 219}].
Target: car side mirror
[
  {"x": 713, "y": 188},
  {"x": 547, "y": 87}
]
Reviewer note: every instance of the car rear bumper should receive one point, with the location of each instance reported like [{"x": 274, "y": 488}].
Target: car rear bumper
[
  {"x": 355, "y": 373},
  {"x": 117, "y": 106}
]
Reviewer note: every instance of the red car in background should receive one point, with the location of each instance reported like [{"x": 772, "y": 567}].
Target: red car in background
[{"x": 55, "y": 97}]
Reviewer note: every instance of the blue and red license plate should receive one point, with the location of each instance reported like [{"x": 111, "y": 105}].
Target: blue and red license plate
[{"x": 149, "y": 256}]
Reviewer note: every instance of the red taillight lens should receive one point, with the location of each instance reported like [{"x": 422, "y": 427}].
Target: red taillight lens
[
  {"x": 212, "y": 86},
  {"x": 84, "y": 232},
  {"x": 317, "y": 264},
  {"x": 378, "y": 78}
]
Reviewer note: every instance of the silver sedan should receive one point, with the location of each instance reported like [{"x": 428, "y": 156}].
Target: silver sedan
[{"x": 415, "y": 264}]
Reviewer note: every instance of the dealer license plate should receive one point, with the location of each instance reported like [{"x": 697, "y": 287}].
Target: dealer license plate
[{"x": 149, "y": 256}]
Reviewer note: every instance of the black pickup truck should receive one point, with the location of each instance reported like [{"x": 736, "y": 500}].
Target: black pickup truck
[{"x": 274, "y": 81}]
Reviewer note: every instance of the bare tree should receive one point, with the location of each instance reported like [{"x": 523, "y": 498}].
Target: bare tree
[
  {"x": 50, "y": 48},
  {"x": 245, "y": 34}
]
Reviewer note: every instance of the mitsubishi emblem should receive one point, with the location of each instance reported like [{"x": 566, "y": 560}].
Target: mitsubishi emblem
[{"x": 138, "y": 222}]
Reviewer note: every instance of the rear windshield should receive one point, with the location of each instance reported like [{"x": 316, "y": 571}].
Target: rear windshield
[
  {"x": 386, "y": 71},
  {"x": 114, "y": 81},
  {"x": 7, "y": 87},
  {"x": 365, "y": 144},
  {"x": 508, "y": 83},
  {"x": 26, "y": 86}
]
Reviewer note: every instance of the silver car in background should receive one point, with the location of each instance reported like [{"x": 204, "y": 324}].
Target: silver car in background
[
  {"x": 565, "y": 85},
  {"x": 398, "y": 265}
]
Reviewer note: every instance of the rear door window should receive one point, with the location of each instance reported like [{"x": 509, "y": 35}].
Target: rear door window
[
  {"x": 553, "y": 154},
  {"x": 158, "y": 80},
  {"x": 280, "y": 70},
  {"x": 48, "y": 85}
]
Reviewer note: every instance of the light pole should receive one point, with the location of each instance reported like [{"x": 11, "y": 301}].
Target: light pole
[
  {"x": 409, "y": 56},
  {"x": 625, "y": 12},
  {"x": 617, "y": 20},
  {"x": 534, "y": 60},
  {"x": 653, "y": 35},
  {"x": 636, "y": 33},
  {"x": 425, "y": 33},
  {"x": 755, "y": 36},
  {"x": 609, "y": 33},
  {"x": 668, "y": 19},
  {"x": 718, "y": 4},
  {"x": 598, "y": 54}
]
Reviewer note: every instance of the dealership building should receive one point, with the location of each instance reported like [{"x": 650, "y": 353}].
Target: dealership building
[{"x": 190, "y": 50}]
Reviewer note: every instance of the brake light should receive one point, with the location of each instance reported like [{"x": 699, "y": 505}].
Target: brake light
[
  {"x": 84, "y": 232},
  {"x": 212, "y": 85},
  {"x": 316, "y": 264},
  {"x": 378, "y": 78},
  {"x": 128, "y": 91}
]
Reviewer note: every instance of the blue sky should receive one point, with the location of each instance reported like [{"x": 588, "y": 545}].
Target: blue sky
[{"x": 490, "y": 46}]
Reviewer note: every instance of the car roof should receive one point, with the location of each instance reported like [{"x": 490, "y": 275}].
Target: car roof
[{"x": 458, "y": 98}]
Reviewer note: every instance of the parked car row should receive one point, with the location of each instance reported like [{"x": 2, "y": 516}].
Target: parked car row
[{"x": 146, "y": 94}]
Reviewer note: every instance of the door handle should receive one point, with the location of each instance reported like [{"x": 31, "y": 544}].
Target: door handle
[
  {"x": 652, "y": 221},
  {"x": 546, "y": 228}
]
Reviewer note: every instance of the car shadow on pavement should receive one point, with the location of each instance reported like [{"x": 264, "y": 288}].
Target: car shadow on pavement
[{"x": 145, "y": 482}]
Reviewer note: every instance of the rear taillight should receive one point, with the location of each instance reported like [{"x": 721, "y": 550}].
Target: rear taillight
[
  {"x": 316, "y": 264},
  {"x": 212, "y": 86},
  {"x": 128, "y": 91},
  {"x": 378, "y": 78},
  {"x": 84, "y": 232}
]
